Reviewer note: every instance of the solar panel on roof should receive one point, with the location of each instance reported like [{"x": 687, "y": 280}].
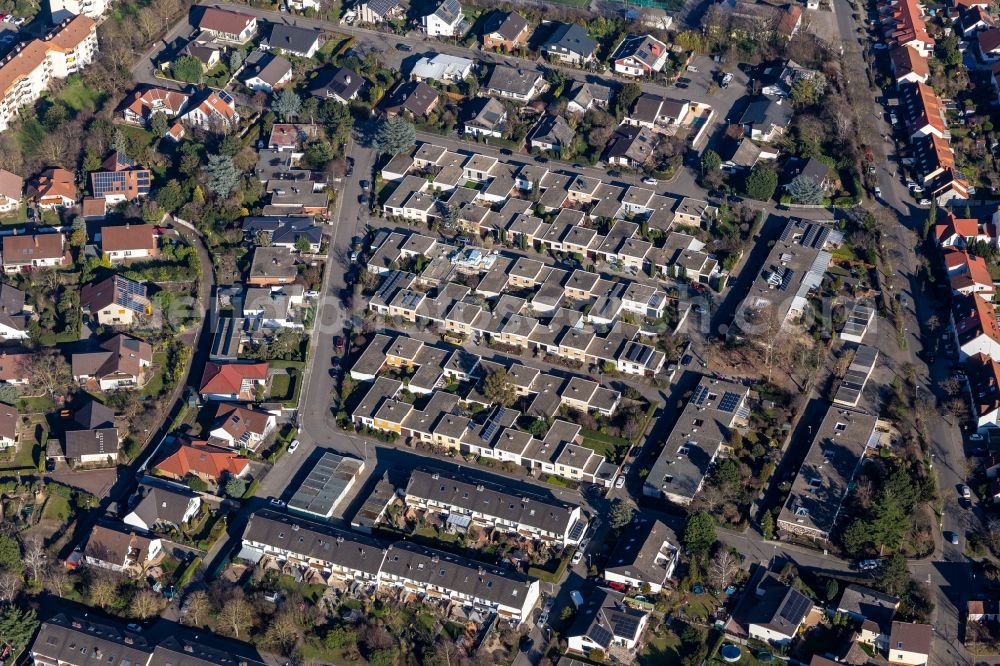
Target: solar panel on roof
[
  {"x": 699, "y": 396},
  {"x": 730, "y": 401},
  {"x": 626, "y": 625},
  {"x": 794, "y": 608},
  {"x": 601, "y": 635}
]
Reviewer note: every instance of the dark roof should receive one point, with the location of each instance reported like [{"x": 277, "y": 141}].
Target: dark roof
[
  {"x": 766, "y": 111},
  {"x": 449, "y": 11},
  {"x": 204, "y": 650},
  {"x": 508, "y": 26},
  {"x": 571, "y": 38},
  {"x": 555, "y": 130},
  {"x": 810, "y": 168},
  {"x": 780, "y": 608},
  {"x": 911, "y": 637},
  {"x": 341, "y": 82},
  {"x": 284, "y": 229},
  {"x": 870, "y": 604},
  {"x": 291, "y": 38},
  {"x": 382, "y": 7},
  {"x": 635, "y": 554},
  {"x": 92, "y": 442},
  {"x": 12, "y": 307},
  {"x": 66, "y": 639},
  {"x": 161, "y": 506},
  {"x": 605, "y": 616},
  {"x": 512, "y": 80},
  {"x": 267, "y": 67},
  {"x": 94, "y": 415},
  {"x": 414, "y": 96}
]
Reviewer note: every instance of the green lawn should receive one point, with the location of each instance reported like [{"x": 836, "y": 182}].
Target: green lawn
[
  {"x": 27, "y": 455},
  {"x": 80, "y": 97},
  {"x": 155, "y": 383},
  {"x": 19, "y": 216},
  {"x": 285, "y": 388},
  {"x": 39, "y": 405},
  {"x": 57, "y": 508},
  {"x": 661, "y": 650},
  {"x": 612, "y": 448}
]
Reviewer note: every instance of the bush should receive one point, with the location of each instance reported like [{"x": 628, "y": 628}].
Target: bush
[{"x": 197, "y": 485}]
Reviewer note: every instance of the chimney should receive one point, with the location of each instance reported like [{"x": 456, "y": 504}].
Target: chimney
[{"x": 347, "y": 79}]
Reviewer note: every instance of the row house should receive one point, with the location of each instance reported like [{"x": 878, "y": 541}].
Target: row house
[
  {"x": 968, "y": 273},
  {"x": 924, "y": 111},
  {"x": 903, "y": 25},
  {"x": 984, "y": 384},
  {"x": 974, "y": 325},
  {"x": 962, "y": 232}
]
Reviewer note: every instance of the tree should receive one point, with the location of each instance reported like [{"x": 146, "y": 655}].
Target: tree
[
  {"x": 806, "y": 92},
  {"x": 499, "y": 389},
  {"x": 17, "y": 626},
  {"x": 762, "y": 182},
  {"x": 34, "y": 555},
  {"x": 10, "y": 555},
  {"x": 103, "y": 591},
  {"x": 196, "y": 608},
  {"x": 302, "y": 244},
  {"x": 319, "y": 152},
  {"x": 621, "y": 514},
  {"x": 145, "y": 604},
  {"x": 171, "y": 197},
  {"x": 384, "y": 657},
  {"x": 767, "y": 525},
  {"x": 710, "y": 161},
  {"x": 197, "y": 485},
  {"x": 626, "y": 98},
  {"x": 831, "y": 589},
  {"x": 339, "y": 638},
  {"x": 722, "y": 571},
  {"x": 806, "y": 190},
  {"x": 237, "y": 616},
  {"x": 236, "y": 59},
  {"x": 78, "y": 237},
  {"x": 10, "y": 586},
  {"x": 287, "y": 104},
  {"x": 223, "y": 176},
  {"x": 189, "y": 69},
  {"x": 894, "y": 576},
  {"x": 394, "y": 135},
  {"x": 9, "y": 394},
  {"x": 596, "y": 655},
  {"x": 49, "y": 371},
  {"x": 699, "y": 533},
  {"x": 236, "y": 487},
  {"x": 159, "y": 124}
]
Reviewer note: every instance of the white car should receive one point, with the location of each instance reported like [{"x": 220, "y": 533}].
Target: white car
[
  {"x": 276, "y": 502},
  {"x": 650, "y": 181},
  {"x": 966, "y": 493},
  {"x": 577, "y": 558},
  {"x": 620, "y": 481},
  {"x": 878, "y": 191},
  {"x": 294, "y": 445}
]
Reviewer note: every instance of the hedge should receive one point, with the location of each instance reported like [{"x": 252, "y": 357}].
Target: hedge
[
  {"x": 188, "y": 573},
  {"x": 251, "y": 489}
]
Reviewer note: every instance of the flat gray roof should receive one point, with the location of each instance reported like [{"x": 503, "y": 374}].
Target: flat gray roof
[
  {"x": 856, "y": 377},
  {"x": 326, "y": 485}
]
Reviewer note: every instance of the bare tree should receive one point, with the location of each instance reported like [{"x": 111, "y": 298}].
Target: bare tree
[
  {"x": 55, "y": 578},
  {"x": 723, "y": 568},
  {"x": 237, "y": 616},
  {"x": 49, "y": 371},
  {"x": 146, "y": 604},
  {"x": 10, "y": 586},
  {"x": 196, "y": 608},
  {"x": 34, "y": 555},
  {"x": 103, "y": 590}
]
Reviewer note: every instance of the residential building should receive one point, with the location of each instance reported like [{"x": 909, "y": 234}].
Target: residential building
[
  {"x": 552, "y": 133},
  {"x": 414, "y": 98},
  {"x": 967, "y": 272},
  {"x": 121, "y": 551},
  {"x": 657, "y": 113},
  {"x": 340, "y": 84},
  {"x": 908, "y": 66},
  {"x": 808, "y": 168},
  {"x": 441, "y": 67},
  {"x": 873, "y": 610},
  {"x": 115, "y": 301},
  {"x": 988, "y": 41},
  {"x": 23, "y": 253},
  {"x": 92, "y": 446},
  {"x": 13, "y": 317},
  {"x": 923, "y": 111},
  {"x": 286, "y": 232},
  {"x": 466, "y": 501},
  {"x": 701, "y": 433},
  {"x": 11, "y": 189},
  {"x": 213, "y": 111},
  {"x": 26, "y": 71},
  {"x": 631, "y": 146},
  {"x": 120, "y": 364},
  {"x": 766, "y": 119},
  {"x": 60, "y": 639},
  {"x": 378, "y": 11},
  {"x": 904, "y": 25},
  {"x": 521, "y": 85},
  {"x": 639, "y": 55},
  {"x": 266, "y": 71},
  {"x": 162, "y": 509},
  {"x": 228, "y": 26},
  {"x": 241, "y": 427},
  {"x": 974, "y": 323},
  {"x": 14, "y": 368},
  {"x": 843, "y": 440},
  {"x": 570, "y": 44},
  {"x": 142, "y": 106},
  {"x": 984, "y": 384},
  {"x": 233, "y": 381},
  {"x": 505, "y": 31},
  {"x": 642, "y": 556},
  {"x": 120, "y": 179},
  {"x": 302, "y": 42},
  {"x": 606, "y": 623},
  {"x": 54, "y": 188},
  {"x": 327, "y": 484},
  {"x": 60, "y": 10},
  {"x": 445, "y": 21},
  {"x": 488, "y": 118},
  {"x": 910, "y": 643},
  {"x": 582, "y": 97},
  {"x": 272, "y": 266},
  {"x": 129, "y": 241},
  {"x": 743, "y": 155},
  {"x": 211, "y": 464},
  {"x": 8, "y": 426},
  {"x": 778, "y": 613}
]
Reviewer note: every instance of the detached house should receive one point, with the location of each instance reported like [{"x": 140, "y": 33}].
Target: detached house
[
  {"x": 488, "y": 118},
  {"x": 131, "y": 241},
  {"x": 266, "y": 71},
  {"x": 121, "y": 551},
  {"x": 378, "y": 11},
  {"x": 121, "y": 363},
  {"x": 639, "y": 55},
  {"x": 444, "y": 21},
  {"x": 779, "y": 612},
  {"x": 115, "y": 301},
  {"x": 8, "y": 426},
  {"x": 415, "y": 98},
  {"x": 552, "y": 133},
  {"x": 54, "y": 188},
  {"x": 228, "y": 26},
  {"x": 240, "y": 427},
  {"x": 144, "y": 105},
  {"x": 605, "y": 623},
  {"x": 521, "y": 85},
  {"x": 766, "y": 120},
  {"x": 160, "y": 508},
  {"x": 643, "y": 556},
  {"x": 232, "y": 381},
  {"x": 570, "y": 44},
  {"x": 910, "y": 643},
  {"x": 505, "y": 31},
  {"x": 211, "y": 464},
  {"x": 13, "y": 319},
  {"x": 215, "y": 110},
  {"x": 120, "y": 179},
  {"x": 339, "y": 84},
  {"x": 303, "y": 42},
  {"x": 11, "y": 187},
  {"x": 22, "y": 253}
]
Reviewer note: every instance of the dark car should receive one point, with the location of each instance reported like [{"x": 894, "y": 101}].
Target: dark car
[
  {"x": 364, "y": 185},
  {"x": 350, "y": 166},
  {"x": 362, "y": 198},
  {"x": 338, "y": 342},
  {"x": 541, "y": 159},
  {"x": 403, "y": 47},
  {"x": 686, "y": 360},
  {"x": 506, "y": 151}
]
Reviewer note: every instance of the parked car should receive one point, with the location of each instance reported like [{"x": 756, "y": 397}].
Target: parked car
[
  {"x": 294, "y": 445},
  {"x": 964, "y": 490},
  {"x": 953, "y": 538},
  {"x": 338, "y": 342},
  {"x": 403, "y": 47},
  {"x": 620, "y": 481},
  {"x": 276, "y": 502},
  {"x": 878, "y": 191},
  {"x": 543, "y": 619},
  {"x": 650, "y": 181},
  {"x": 132, "y": 626},
  {"x": 364, "y": 185},
  {"x": 686, "y": 359},
  {"x": 626, "y": 469},
  {"x": 976, "y": 437},
  {"x": 350, "y": 166},
  {"x": 577, "y": 558},
  {"x": 868, "y": 565}
]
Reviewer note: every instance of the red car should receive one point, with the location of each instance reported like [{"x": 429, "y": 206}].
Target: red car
[{"x": 338, "y": 342}]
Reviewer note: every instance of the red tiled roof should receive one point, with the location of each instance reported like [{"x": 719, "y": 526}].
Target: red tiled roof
[
  {"x": 128, "y": 237},
  {"x": 984, "y": 376},
  {"x": 931, "y": 109},
  {"x": 227, "y": 378},
  {"x": 907, "y": 60},
  {"x": 144, "y": 102},
  {"x": 202, "y": 459},
  {"x": 989, "y": 40},
  {"x": 220, "y": 20}
]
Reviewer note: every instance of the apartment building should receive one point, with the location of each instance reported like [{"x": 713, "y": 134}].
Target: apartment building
[
  {"x": 494, "y": 507},
  {"x": 26, "y": 71}
]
